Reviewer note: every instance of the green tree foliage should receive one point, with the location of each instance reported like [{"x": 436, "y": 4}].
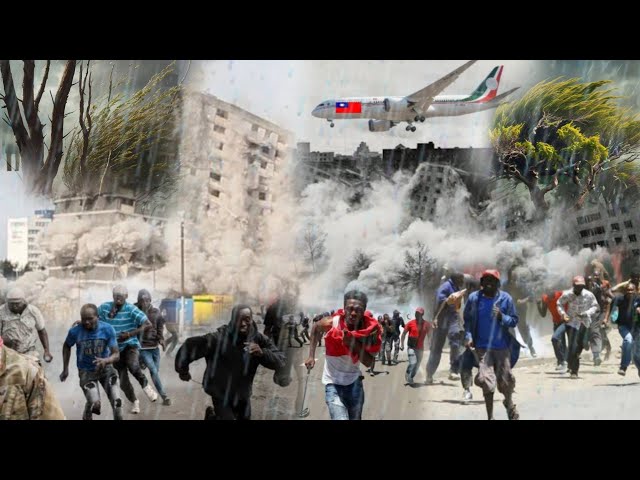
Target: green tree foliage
[
  {"x": 131, "y": 144},
  {"x": 571, "y": 138}
]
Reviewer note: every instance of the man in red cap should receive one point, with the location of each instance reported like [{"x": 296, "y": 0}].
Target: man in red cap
[
  {"x": 582, "y": 307},
  {"x": 489, "y": 321},
  {"x": 417, "y": 329}
]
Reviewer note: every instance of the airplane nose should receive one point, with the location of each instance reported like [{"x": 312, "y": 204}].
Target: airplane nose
[{"x": 315, "y": 112}]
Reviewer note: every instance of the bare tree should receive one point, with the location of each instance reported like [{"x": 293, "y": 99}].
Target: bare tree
[
  {"x": 360, "y": 263},
  {"x": 313, "y": 245},
  {"x": 418, "y": 272},
  {"x": 27, "y": 127}
]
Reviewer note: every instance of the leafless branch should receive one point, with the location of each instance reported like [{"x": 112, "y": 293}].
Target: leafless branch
[{"x": 42, "y": 85}]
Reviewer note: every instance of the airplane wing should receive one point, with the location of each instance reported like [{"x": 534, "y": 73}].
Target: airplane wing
[{"x": 423, "y": 98}]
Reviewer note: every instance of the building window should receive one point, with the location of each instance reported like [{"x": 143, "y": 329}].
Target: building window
[
  {"x": 636, "y": 252},
  {"x": 127, "y": 201},
  {"x": 603, "y": 243},
  {"x": 615, "y": 227},
  {"x": 594, "y": 217},
  {"x": 618, "y": 240},
  {"x": 585, "y": 245},
  {"x": 632, "y": 238},
  {"x": 214, "y": 192},
  {"x": 219, "y": 129},
  {"x": 585, "y": 233},
  {"x": 263, "y": 164},
  {"x": 439, "y": 180},
  {"x": 279, "y": 154},
  {"x": 222, "y": 114},
  {"x": 262, "y": 196},
  {"x": 220, "y": 146},
  {"x": 628, "y": 224},
  {"x": 598, "y": 230},
  {"x": 580, "y": 220},
  {"x": 214, "y": 176},
  {"x": 424, "y": 199},
  {"x": 441, "y": 169},
  {"x": 432, "y": 211},
  {"x": 438, "y": 191}
]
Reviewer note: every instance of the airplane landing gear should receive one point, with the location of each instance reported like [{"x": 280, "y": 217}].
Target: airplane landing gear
[
  {"x": 331, "y": 124},
  {"x": 410, "y": 128},
  {"x": 419, "y": 118}
]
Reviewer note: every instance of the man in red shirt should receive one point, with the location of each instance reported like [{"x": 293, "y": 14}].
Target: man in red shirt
[
  {"x": 549, "y": 302},
  {"x": 418, "y": 329}
]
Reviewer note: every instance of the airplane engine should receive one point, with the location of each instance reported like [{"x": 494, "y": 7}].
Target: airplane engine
[
  {"x": 380, "y": 125},
  {"x": 394, "y": 105}
]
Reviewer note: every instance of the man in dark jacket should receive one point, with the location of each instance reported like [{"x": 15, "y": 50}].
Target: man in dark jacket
[
  {"x": 233, "y": 354},
  {"x": 151, "y": 339}
]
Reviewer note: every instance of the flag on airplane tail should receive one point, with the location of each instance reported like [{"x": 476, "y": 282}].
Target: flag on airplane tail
[{"x": 348, "y": 107}]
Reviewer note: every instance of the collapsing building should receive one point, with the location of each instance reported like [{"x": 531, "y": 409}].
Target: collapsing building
[
  {"x": 234, "y": 162},
  {"x": 439, "y": 171},
  {"x": 101, "y": 239}
]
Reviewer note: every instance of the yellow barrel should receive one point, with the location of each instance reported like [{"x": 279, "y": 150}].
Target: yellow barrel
[{"x": 212, "y": 309}]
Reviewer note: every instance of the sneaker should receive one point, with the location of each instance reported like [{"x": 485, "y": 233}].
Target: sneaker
[
  {"x": 560, "y": 366},
  {"x": 512, "y": 412},
  {"x": 454, "y": 376},
  {"x": 150, "y": 393},
  {"x": 563, "y": 368},
  {"x": 574, "y": 376},
  {"x": 408, "y": 379},
  {"x": 597, "y": 362},
  {"x": 209, "y": 414},
  {"x": 136, "y": 407},
  {"x": 622, "y": 372},
  {"x": 429, "y": 381},
  {"x": 466, "y": 397},
  {"x": 166, "y": 401}
]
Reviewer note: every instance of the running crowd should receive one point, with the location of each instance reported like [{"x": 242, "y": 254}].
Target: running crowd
[{"x": 478, "y": 318}]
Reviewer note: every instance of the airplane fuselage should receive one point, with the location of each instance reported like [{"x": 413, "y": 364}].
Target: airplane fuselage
[{"x": 400, "y": 110}]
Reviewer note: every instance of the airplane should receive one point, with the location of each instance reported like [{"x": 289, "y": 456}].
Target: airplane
[{"x": 386, "y": 112}]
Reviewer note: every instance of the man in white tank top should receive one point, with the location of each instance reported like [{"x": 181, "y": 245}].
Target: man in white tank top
[{"x": 352, "y": 337}]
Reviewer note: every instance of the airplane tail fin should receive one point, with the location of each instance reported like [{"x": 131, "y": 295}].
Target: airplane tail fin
[{"x": 488, "y": 89}]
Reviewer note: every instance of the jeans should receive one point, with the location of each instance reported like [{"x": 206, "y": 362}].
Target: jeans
[
  {"x": 385, "y": 350},
  {"x": 447, "y": 328},
  {"x": 240, "y": 410},
  {"x": 559, "y": 342},
  {"x": 151, "y": 358},
  {"x": 130, "y": 362},
  {"x": 415, "y": 357},
  {"x": 523, "y": 326},
  {"x": 172, "y": 341},
  {"x": 630, "y": 347},
  {"x": 396, "y": 347},
  {"x": 345, "y": 402},
  {"x": 576, "y": 344},
  {"x": 108, "y": 378}
]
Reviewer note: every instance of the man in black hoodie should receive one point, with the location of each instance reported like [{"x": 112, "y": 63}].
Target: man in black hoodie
[{"x": 233, "y": 354}]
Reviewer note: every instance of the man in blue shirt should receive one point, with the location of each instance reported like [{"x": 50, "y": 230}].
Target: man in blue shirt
[
  {"x": 96, "y": 352},
  {"x": 489, "y": 319},
  {"x": 446, "y": 324},
  {"x": 128, "y": 321}
]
